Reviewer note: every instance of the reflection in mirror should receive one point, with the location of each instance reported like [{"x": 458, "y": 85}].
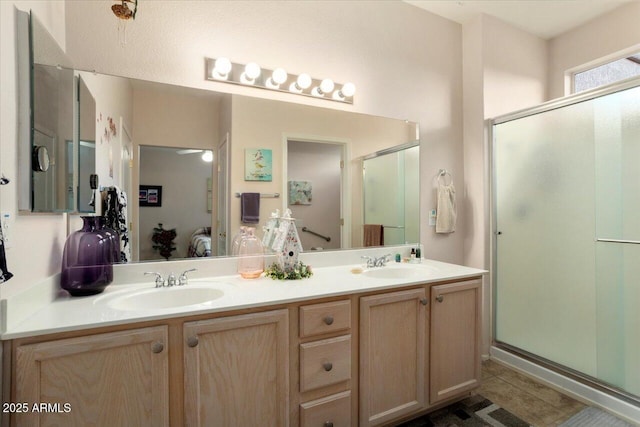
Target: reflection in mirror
[
  {"x": 46, "y": 104},
  {"x": 53, "y": 104},
  {"x": 175, "y": 191},
  {"x": 86, "y": 146},
  {"x": 230, "y": 126},
  {"x": 315, "y": 177},
  {"x": 392, "y": 195}
]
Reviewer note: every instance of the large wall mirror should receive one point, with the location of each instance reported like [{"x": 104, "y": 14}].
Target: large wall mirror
[{"x": 184, "y": 155}]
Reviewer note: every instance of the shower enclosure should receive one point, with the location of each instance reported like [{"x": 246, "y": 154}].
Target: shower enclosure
[
  {"x": 391, "y": 192},
  {"x": 566, "y": 248}
]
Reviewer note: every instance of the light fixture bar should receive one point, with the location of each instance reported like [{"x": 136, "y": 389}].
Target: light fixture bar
[{"x": 225, "y": 71}]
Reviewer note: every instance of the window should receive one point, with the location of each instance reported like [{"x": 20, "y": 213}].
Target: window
[{"x": 605, "y": 74}]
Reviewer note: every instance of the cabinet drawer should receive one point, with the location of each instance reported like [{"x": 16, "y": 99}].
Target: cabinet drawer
[
  {"x": 330, "y": 411},
  {"x": 325, "y": 362},
  {"x": 323, "y": 318}
]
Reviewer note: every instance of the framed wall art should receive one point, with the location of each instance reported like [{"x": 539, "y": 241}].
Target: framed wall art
[
  {"x": 299, "y": 192},
  {"x": 258, "y": 164},
  {"x": 150, "y": 195}
]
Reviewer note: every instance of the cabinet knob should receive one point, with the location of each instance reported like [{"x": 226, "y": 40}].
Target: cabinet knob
[
  {"x": 328, "y": 320},
  {"x": 424, "y": 301},
  {"x": 439, "y": 298},
  {"x": 157, "y": 347},
  {"x": 327, "y": 366},
  {"x": 192, "y": 341},
  {"x": 328, "y": 424}
]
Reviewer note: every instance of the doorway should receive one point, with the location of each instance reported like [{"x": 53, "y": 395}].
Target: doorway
[{"x": 315, "y": 177}]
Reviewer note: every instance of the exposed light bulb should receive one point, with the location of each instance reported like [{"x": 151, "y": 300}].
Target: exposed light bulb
[
  {"x": 278, "y": 77},
  {"x": 251, "y": 73},
  {"x": 207, "y": 156},
  {"x": 347, "y": 91},
  {"x": 221, "y": 68},
  {"x": 302, "y": 82},
  {"x": 326, "y": 86}
]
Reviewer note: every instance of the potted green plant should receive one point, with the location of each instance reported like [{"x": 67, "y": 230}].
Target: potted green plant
[{"x": 163, "y": 240}]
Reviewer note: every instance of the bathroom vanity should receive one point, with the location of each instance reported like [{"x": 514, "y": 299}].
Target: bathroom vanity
[{"x": 339, "y": 349}]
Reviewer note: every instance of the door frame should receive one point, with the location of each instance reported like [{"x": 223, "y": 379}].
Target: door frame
[{"x": 345, "y": 178}]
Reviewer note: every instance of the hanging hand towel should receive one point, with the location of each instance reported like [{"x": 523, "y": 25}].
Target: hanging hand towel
[
  {"x": 250, "y": 208},
  {"x": 114, "y": 209},
  {"x": 373, "y": 235},
  {"x": 446, "y": 213}
]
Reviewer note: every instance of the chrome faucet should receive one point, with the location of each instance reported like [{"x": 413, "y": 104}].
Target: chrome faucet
[
  {"x": 377, "y": 262},
  {"x": 183, "y": 280},
  {"x": 159, "y": 279},
  {"x": 171, "y": 280}
]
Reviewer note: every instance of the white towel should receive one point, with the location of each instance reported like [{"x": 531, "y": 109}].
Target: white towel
[{"x": 446, "y": 213}]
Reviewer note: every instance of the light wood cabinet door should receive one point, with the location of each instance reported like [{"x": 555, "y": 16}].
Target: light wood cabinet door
[
  {"x": 455, "y": 339},
  {"x": 392, "y": 355},
  {"x": 237, "y": 370},
  {"x": 111, "y": 379}
]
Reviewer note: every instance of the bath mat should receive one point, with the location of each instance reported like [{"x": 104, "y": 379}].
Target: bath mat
[
  {"x": 594, "y": 417},
  {"x": 470, "y": 412}
]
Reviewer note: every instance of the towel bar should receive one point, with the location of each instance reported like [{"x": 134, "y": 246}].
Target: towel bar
[{"x": 264, "y": 195}]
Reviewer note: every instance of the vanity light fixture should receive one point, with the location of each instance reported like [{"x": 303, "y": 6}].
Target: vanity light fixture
[{"x": 251, "y": 74}]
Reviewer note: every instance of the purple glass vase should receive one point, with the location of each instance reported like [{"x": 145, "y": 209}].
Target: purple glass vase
[{"x": 89, "y": 254}]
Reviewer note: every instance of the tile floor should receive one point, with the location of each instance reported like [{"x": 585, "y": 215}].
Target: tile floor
[{"x": 533, "y": 402}]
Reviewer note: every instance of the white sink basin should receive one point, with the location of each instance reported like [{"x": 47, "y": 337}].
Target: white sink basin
[
  {"x": 163, "y": 298},
  {"x": 401, "y": 271}
]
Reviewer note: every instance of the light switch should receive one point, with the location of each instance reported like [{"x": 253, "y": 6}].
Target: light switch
[
  {"x": 432, "y": 217},
  {"x": 6, "y": 225}
]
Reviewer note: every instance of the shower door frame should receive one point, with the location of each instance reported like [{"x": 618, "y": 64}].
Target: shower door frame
[{"x": 493, "y": 234}]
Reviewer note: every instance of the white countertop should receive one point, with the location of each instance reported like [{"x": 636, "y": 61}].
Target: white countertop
[{"x": 66, "y": 313}]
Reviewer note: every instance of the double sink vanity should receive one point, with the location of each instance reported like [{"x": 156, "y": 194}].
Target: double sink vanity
[{"x": 349, "y": 346}]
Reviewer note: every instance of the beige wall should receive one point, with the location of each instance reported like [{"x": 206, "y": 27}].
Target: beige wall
[
  {"x": 184, "y": 198},
  {"x": 320, "y": 165},
  {"x": 605, "y": 37},
  {"x": 363, "y": 134},
  {"x": 36, "y": 241},
  {"x": 174, "y": 118},
  {"x": 405, "y": 62}
]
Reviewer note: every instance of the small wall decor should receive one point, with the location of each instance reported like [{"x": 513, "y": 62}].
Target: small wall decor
[
  {"x": 258, "y": 164},
  {"x": 150, "y": 195},
  {"x": 299, "y": 192},
  {"x": 122, "y": 11}
]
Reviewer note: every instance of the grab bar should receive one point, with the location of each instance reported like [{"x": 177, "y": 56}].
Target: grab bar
[
  {"x": 629, "y": 242},
  {"x": 327, "y": 238}
]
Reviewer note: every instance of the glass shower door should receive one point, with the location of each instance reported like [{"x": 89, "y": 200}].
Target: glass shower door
[
  {"x": 391, "y": 194},
  {"x": 567, "y": 246},
  {"x": 617, "y": 208}
]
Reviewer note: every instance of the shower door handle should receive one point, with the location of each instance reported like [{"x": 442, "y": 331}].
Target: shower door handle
[{"x": 628, "y": 242}]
